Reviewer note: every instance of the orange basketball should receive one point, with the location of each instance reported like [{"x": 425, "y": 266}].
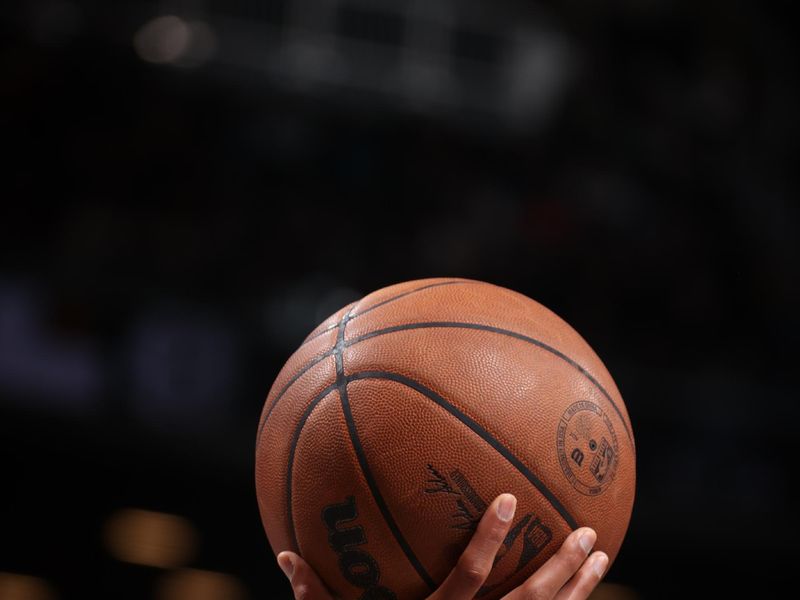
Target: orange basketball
[{"x": 402, "y": 416}]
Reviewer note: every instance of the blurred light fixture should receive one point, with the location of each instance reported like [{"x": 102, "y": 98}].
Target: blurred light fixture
[
  {"x": 171, "y": 40},
  {"x": 150, "y": 538},
  {"x": 539, "y": 68},
  {"x": 613, "y": 591},
  {"x": 162, "y": 40},
  {"x": 14, "y": 586},
  {"x": 193, "y": 584}
]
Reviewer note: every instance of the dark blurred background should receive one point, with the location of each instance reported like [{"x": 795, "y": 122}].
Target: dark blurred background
[{"x": 190, "y": 186}]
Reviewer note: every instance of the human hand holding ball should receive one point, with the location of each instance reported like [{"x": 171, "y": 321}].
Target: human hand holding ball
[
  {"x": 567, "y": 575},
  {"x": 390, "y": 430}
]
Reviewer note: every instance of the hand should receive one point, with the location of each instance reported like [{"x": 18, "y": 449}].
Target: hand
[{"x": 567, "y": 575}]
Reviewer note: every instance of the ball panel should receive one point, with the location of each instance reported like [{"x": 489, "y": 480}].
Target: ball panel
[
  {"x": 274, "y": 448},
  {"x": 339, "y": 527},
  {"x": 486, "y": 304},
  {"x": 519, "y": 393},
  {"x": 438, "y": 477},
  {"x": 384, "y": 298}
]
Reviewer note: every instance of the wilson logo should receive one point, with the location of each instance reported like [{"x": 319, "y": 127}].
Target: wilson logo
[{"x": 357, "y": 565}]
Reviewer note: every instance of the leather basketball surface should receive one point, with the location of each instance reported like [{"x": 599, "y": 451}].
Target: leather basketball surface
[{"x": 402, "y": 416}]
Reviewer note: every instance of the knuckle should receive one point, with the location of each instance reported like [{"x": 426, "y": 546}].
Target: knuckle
[
  {"x": 472, "y": 570},
  {"x": 496, "y": 535},
  {"x": 571, "y": 554},
  {"x": 531, "y": 590}
]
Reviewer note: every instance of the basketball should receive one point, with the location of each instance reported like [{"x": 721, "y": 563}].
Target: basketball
[{"x": 402, "y": 416}]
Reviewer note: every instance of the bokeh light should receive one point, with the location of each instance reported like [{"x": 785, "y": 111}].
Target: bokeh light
[
  {"x": 150, "y": 538},
  {"x": 15, "y": 586},
  {"x": 170, "y": 39},
  {"x": 194, "y": 584}
]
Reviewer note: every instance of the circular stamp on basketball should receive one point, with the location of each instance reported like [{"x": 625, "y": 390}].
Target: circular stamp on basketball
[{"x": 587, "y": 448}]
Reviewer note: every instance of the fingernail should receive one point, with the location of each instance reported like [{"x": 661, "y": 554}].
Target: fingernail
[
  {"x": 286, "y": 564},
  {"x": 600, "y": 564},
  {"x": 506, "y": 506},
  {"x": 587, "y": 540}
]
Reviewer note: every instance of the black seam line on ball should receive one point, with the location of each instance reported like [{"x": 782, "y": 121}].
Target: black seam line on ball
[
  {"x": 479, "y": 430},
  {"x": 376, "y": 493},
  {"x": 339, "y": 347},
  {"x": 327, "y": 329},
  {"x": 450, "y": 324},
  {"x": 298, "y": 375},
  {"x": 330, "y": 352},
  {"x": 387, "y": 301},
  {"x": 341, "y": 384},
  {"x": 507, "y": 332},
  {"x": 292, "y": 449}
]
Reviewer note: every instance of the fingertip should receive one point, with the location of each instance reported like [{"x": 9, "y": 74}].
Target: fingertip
[
  {"x": 599, "y": 563},
  {"x": 506, "y": 505},
  {"x": 286, "y": 561},
  {"x": 586, "y": 538}
]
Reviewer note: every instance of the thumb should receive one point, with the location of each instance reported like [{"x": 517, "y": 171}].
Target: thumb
[{"x": 306, "y": 585}]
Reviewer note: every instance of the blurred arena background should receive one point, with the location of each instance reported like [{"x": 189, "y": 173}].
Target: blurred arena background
[{"x": 191, "y": 186}]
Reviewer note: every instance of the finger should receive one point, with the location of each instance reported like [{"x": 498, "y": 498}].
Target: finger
[
  {"x": 306, "y": 585},
  {"x": 586, "y": 579},
  {"x": 559, "y": 568},
  {"x": 476, "y": 562}
]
